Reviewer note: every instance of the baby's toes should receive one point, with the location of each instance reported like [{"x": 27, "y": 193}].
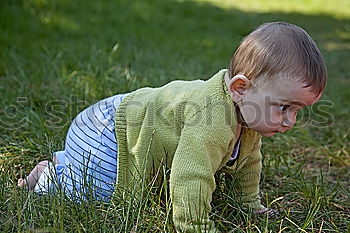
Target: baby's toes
[{"x": 21, "y": 182}]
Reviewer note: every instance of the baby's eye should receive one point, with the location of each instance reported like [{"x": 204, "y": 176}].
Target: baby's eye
[{"x": 283, "y": 108}]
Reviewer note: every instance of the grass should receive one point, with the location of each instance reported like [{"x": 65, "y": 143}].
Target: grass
[{"x": 58, "y": 57}]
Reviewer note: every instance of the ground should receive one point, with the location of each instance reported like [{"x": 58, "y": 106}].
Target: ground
[{"x": 57, "y": 57}]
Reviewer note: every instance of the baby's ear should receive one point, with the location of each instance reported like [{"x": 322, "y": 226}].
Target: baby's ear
[{"x": 237, "y": 86}]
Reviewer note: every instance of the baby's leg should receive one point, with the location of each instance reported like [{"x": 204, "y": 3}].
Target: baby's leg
[{"x": 31, "y": 180}]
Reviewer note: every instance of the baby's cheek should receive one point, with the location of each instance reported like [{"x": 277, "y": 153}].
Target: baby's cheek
[
  {"x": 293, "y": 117},
  {"x": 274, "y": 117},
  {"x": 251, "y": 114}
]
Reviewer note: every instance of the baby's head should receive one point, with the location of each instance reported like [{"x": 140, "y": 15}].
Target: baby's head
[{"x": 276, "y": 70}]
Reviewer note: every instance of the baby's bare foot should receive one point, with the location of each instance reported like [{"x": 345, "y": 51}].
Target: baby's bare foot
[
  {"x": 33, "y": 177},
  {"x": 21, "y": 183}
]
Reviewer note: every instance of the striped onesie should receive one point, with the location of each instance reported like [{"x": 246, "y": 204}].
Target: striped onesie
[{"x": 87, "y": 167}]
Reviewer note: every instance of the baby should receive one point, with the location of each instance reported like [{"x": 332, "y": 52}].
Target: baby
[{"x": 193, "y": 128}]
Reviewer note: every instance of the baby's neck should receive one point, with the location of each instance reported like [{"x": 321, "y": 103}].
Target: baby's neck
[{"x": 240, "y": 121}]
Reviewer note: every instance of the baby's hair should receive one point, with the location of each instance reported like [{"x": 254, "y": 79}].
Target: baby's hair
[{"x": 280, "y": 48}]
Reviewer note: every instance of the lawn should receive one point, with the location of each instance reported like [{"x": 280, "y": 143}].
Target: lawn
[{"x": 59, "y": 56}]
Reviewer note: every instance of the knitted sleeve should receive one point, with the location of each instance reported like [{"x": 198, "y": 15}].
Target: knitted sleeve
[
  {"x": 249, "y": 178},
  {"x": 197, "y": 158}
]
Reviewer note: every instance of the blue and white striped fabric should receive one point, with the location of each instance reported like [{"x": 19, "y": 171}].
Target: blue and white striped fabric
[{"x": 87, "y": 168}]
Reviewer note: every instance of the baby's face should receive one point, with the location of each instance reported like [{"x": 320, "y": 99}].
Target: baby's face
[{"x": 272, "y": 107}]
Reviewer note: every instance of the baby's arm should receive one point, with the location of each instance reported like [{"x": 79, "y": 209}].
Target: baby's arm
[
  {"x": 249, "y": 177},
  {"x": 192, "y": 182}
]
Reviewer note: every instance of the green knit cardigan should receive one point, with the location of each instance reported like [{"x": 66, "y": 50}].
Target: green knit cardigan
[{"x": 186, "y": 128}]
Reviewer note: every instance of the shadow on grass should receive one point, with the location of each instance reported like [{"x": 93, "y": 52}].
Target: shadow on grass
[{"x": 160, "y": 40}]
